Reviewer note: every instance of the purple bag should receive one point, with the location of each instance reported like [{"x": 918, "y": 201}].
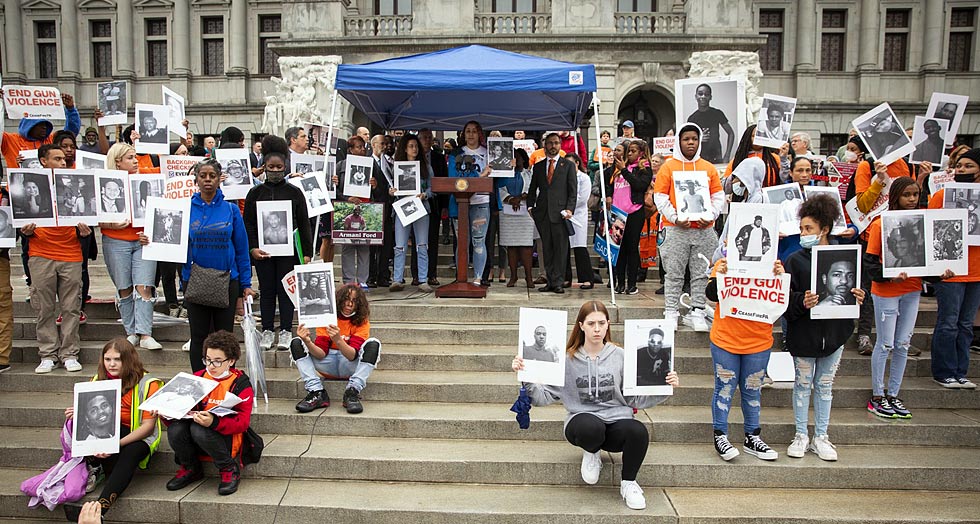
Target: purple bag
[{"x": 63, "y": 482}]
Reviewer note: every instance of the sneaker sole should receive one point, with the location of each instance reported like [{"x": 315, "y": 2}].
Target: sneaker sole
[
  {"x": 730, "y": 455},
  {"x": 821, "y": 457},
  {"x": 761, "y": 456},
  {"x": 947, "y": 385},
  {"x": 882, "y": 415},
  {"x": 794, "y": 455}
]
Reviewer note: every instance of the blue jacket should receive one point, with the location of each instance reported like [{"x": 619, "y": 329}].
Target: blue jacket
[
  {"x": 73, "y": 123},
  {"x": 218, "y": 239}
]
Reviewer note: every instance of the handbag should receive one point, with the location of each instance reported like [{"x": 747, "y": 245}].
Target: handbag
[
  {"x": 595, "y": 201},
  {"x": 207, "y": 287},
  {"x": 252, "y": 446}
]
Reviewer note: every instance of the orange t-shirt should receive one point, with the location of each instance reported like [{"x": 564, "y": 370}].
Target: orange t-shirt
[
  {"x": 538, "y": 154},
  {"x": 56, "y": 243},
  {"x": 862, "y": 177},
  {"x": 888, "y": 289},
  {"x": 146, "y": 165},
  {"x": 738, "y": 336},
  {"x": 126, "y": 403},
  {"x": 664, "y": 183},
  {"x": 973, "y": 255},
  {"x": 12, "y": 144}
]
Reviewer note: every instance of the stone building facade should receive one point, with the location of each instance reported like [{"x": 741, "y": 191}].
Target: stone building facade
[{"x": 838, "y": 57}]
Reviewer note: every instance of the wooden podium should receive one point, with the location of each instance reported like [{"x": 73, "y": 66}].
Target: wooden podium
[{"x": 463, "y": 189}]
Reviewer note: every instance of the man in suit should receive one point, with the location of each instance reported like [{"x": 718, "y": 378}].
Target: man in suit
[
  {"x": 381, "y": 256},
  {"x": 551, "y": 199},
  {"x": 255, "y": 159}
]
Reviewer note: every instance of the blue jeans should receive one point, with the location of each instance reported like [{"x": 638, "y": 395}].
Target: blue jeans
[
  {"x": 479, "y": 224},
  {"x": 894, "y": 322},
  {"x": 335, "y": 364},
  {"x": 957, "y": 305},
  {"x": 744, "y": 372},
  {"x": 824, "y": 369},
  {"x": 127, "y": 269},
  {"x": 421, "y": 229}
]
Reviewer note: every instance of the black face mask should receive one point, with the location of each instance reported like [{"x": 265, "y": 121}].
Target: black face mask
[{"x": 965, "y": 178}]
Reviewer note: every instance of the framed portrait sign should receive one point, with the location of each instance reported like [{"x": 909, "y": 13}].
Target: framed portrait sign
[
  {"x": 74, "y": 191},
  {"x": 275, "y": 222},
  {"x": 32, "y": 197},
  {"x": 541, "y": 343},
  {"x": 235, "y": 164},
  {"x": 951, "y": 108},
  {"x": 965, "y": 196},
  {"x": 114, "y": 201},
  {"x": 753, "y": 238},
  {"x": 883, "y": 134},
  {"x": 693, "y": 196},
  {"x": 775, "y": 119},
  {"x": 95, "y": 422},
  {"x": 153, "y": 126},
  {"x": 408, "y": 178},
  {"x": 315, "y": 291},
  {"x": 167, "y": 226},
  {"x": 924, "y": 242},
  {"x": 834, "y": 272},
  {"x": 179, "y": 396},
  {"x": 357, "y": 176},
  {"x": 717, "y": 105},
  {"x": 649, "y": 346}
]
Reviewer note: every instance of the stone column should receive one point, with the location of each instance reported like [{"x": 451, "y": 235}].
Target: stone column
[
  {"x": 870, "y": 32},
  {"x": 180, "y": 40},
  {"x": 806, "y": 35},
  {"x": 124, "y": 39},
  {"x": 238, "y": 37},
  {"x": 13, "y": 40},
  {"x": 932, "y": 31},
  {"x": 69, "y": 39}
]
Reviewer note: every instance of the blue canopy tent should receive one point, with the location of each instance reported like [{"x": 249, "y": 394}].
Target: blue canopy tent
[{"x": 445, "y": 89}]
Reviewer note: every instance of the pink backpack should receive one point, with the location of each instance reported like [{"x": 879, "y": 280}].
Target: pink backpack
[{"x": 63, "y": 482}]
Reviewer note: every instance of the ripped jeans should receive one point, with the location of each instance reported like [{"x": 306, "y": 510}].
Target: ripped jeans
[
  {"x": 894, "y": 322},
  {"x": 824, "y": 369},
  {"x": 479, "y": 224},
  {"x": 744, "y": 372}
]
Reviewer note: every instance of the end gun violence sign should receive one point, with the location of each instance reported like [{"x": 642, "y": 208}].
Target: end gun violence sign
[
  {"x": 33, "y": 102},
  {"x": 756, "y": 299}
]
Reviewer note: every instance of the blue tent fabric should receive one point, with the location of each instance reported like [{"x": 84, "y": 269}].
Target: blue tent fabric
[{"x": 445, "y": 89}]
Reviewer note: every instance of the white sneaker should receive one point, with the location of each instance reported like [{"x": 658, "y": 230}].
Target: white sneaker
[
  {"x": 284, "y": 338},
  {"x": 695, "y": 319},
  {"x": 266, "y": 339},
  {"x": 72, "y": 365},
  {"x": 134, "y": 340},
  {"x": 670, "y": 317},
  {"x": 823, "y": 448},
  {"x": 798, "y": 447},
  {"x": 591, "y": 467},
  {"x": 46, "y": 366},
  {"x": 632, "y": 494},
  {"x": 150, "y": 343},
  {"x": 186, "y": 346}
]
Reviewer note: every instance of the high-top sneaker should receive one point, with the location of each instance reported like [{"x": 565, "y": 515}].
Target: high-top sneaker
[
  {"x": 754, "y": 445},
  {"x": 724, "y": 448}
]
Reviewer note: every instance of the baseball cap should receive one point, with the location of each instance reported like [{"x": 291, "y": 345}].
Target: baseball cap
[{"x": 628, "y": 123}]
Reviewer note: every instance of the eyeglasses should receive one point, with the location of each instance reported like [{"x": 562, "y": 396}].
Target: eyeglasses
[{"x": 213, "y": 363}]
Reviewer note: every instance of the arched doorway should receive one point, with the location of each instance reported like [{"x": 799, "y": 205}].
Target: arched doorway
[{"x": 651, "y": 111}]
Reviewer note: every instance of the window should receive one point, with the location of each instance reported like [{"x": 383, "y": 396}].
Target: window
[
  {"x": 101, "y": 36},
  {"x": 636, "y": 6},
  {"x": 269, "y": 28},
  {"x": 515, "y": 6},
  {"x": 46, "y": 35},
  {"x": 392, "y": 7},
  {"x": 897, "y": 39},
  {"x": 156, "y": 47},
  {"x": 832, "y": 39},
  {"x": 967, "y": 140},
  {"x": 830, "y": 143},
  {"x": 771, "y": 26},
  {"x": 213, "y": 45},
  {"x": 961, "y": 29}
]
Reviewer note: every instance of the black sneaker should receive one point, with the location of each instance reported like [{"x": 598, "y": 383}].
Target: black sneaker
[
  {"x": 724, "y": 448},
  {"x": 4, "y": 367},
  {"x": 314, "y": 400},
  {"x": 620, "y": 289},
  {"x": 230, "y": 477},
  {"x": 899, "y": 408},
  {"x": 754, "y": 445},
  {"x": 184, "y": 477},
  {"x": 352, "y": 401},
  {"x": 881, "y": 407},
  {"x": 948, "y": 383},
  {"x": 632, "y": 291}
]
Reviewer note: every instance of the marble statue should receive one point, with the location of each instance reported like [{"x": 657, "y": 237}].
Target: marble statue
[{"x": 302, "y": 94}]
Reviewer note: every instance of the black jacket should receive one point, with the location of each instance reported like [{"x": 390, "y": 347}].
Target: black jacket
[
  {"x": 281, "y": 191},
  {"x": 806, "y": 337}
]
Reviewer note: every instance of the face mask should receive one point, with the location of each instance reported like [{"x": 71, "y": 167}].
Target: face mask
[
  {"x": 850, "y": 156},
  {"x": 221, "y": 376},
  {"x": 275, "y": 176},
  {"x": 738, "y": 189},
  {"x": 808, "y": 241},
  {"x": 965, "y": 178}
]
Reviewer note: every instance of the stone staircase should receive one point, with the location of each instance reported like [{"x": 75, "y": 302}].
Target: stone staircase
[{"x": 437, "y": 444}]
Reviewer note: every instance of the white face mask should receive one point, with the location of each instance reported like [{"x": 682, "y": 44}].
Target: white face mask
[
  {"x": 221, "y": 376},
  {"x": 850, "y": 156},
  {"x": 737, "y": 188}
]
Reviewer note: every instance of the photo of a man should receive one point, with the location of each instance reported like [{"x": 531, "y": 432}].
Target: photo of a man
[
  {"x": 653, "y": 360},
  {"x": 407, "y": 176},
  {"x": 313, "y": 299},
  {"x": 773, "y": 126},
  {"x": 929, "y": 139},
  {"x": 97, "y": 417},
  {"x": 274, "y": 230},
  {"x": 149, "y": 132},
  {"x": 540, "y": 350},
  {"x": 753, "y": 241},
  {"x": 836, "y": 278},
  {"x": 167, "y": 226},
  {"x": 712, "y": 120}
]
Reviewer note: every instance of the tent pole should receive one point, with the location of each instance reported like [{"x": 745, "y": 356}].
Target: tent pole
[
  {"x": 602, "y": 188},
  {"x": 333, "y": 113}
]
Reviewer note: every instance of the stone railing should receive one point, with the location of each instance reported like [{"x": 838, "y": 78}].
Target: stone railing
[
  {"x": 512, "y": 23},
  {"x": 659, "y": 23},
  {"x": 378, "y": 25}
]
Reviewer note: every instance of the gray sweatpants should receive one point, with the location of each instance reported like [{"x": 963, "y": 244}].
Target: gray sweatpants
[
  {"x": 354, "y": 263},
  {"x": 679, "y": 251}
]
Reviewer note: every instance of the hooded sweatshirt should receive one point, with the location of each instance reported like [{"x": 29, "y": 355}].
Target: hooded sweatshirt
[
  {"x": 218, "y": 239},
  {"x": 593, "y": 386},
  {"x": 751, "y": 172},
  {"x": 14, "y": 143},
  {"x": 664, "y": 192}
]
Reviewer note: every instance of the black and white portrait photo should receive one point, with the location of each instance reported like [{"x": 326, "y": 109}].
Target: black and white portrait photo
[
  {"x": 8, "y": 235},
  {"x": 716, "y": 105},
  {"x": 28, "y": 159},
  {"x": 315, "y": 289},
  {"x": 500, "y": 155},
  {"x": 781, "y": 193},
  {"x": 357, "y": 176},
  {"x": 648, "y": 358},
  {"x": 408, "y": 178},
  {"x": 929, "y": 135},
  {"x": 949, "y": 107},
  {"x": 179, "y": 396},
  {"x": 775, "y": 120},
  {"x": 32, "y": 197},
  {"x": 112, "y": 192},
  {"x": 234, "y": 164},
  {"x": 95, "y": 418},
  {"x": 330, "y": 168},
  {"x": 175, "y": 112},
  {"x": 903, "y": 245},
  {"x": 692, "y": 195},
  {"x": 317, "y": 200},
  {"x": 303, "y": 168},
  {"x": 141, "y": 188},
  {"x": 275, "y": 223},
  {"x": 948, "y": 240},
  {"x": 965, "y": 196},
  {"x": 304, "y": 163},
  {"x": 86, "y": 160},
  {"x": 153, "y": 126},
  {"x": 541, "y": 343},
  {"x": 753, "y": 237},
  {"x": 112, "y": 102},
  {"x": 75, "y": 195},
  {"x": 883, "y": 135},
  {"x": 834, "y": 272},
  {"x": 946, "y": 231},
  {"x": 167, "y": 224},
  {"x": 409, "y": 209}
]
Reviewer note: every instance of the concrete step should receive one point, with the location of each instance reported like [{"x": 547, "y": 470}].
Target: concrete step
[
  {"x": 502, "y": 388},
  {"x": 556, "y": 463},
  {"x": 929, "y": 427}
]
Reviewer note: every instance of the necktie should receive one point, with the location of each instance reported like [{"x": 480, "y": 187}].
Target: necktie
[{"x": 551, "y": 170}]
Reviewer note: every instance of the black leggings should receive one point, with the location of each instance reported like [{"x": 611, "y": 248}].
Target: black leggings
[
  {"x": 628, "y": 436},
  {"x": 270, "y": 272},
  {"x": 167, "y": 273},
  {"x": 205, "y": 320},
  {"x": 628, "y": 262},
  {"x": 120, "y": 468}
]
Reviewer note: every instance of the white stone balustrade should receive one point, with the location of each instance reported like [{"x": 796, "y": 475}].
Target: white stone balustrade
[
  {"x": 378, "y": 25},
  {"x": 659, "y": 23},
  {"x": 513, "y": 23}
]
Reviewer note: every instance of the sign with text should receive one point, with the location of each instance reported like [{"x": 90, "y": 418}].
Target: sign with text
[
  {"x": 177, "y": 166},
  {"x": 33, "y": 102},
  {"x": 180, "y": 187},
  {"x": 755, "y": 299}
]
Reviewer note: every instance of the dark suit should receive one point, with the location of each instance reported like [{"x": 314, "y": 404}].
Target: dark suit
[
  {"x": 547, "y": 202},
  {"x": 381, "y": 256},
  {"x": 253, "y": 161}
]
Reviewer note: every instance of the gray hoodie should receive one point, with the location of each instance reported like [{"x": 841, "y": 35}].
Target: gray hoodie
[{"x": 593, "y": 386}]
